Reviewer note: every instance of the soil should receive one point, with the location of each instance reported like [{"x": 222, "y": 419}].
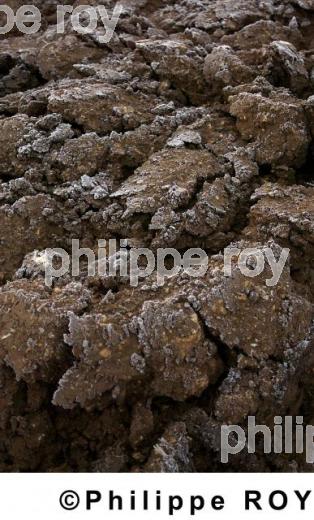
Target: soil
[{"x": 192, "y": 127}]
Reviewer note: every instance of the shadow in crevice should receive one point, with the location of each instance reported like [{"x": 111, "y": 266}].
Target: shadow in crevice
[{"x": 305, "y": 174}]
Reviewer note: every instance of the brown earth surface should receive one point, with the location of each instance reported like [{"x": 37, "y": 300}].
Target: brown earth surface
[{"x": 192, "y": 127}]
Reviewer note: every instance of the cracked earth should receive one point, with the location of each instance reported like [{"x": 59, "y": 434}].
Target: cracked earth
[{"x": 192, "y": 127}]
